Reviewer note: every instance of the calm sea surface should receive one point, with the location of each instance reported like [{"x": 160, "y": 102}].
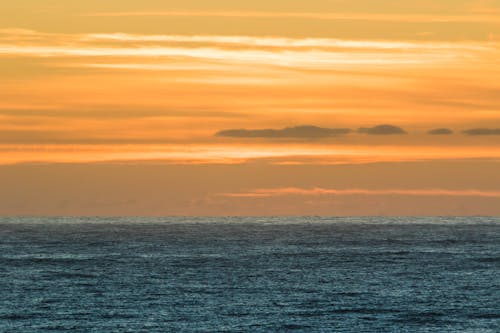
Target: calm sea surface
[{"x": 249, "y": 275}]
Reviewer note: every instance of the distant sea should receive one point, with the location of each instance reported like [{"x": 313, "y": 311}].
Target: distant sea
[{"x": 303, "y": 274}]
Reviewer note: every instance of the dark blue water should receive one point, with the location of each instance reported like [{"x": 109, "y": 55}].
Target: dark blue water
[{"x": 250, "y": 275}]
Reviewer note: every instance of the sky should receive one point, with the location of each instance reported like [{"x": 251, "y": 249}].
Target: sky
[{"x": 297, "y": 107}]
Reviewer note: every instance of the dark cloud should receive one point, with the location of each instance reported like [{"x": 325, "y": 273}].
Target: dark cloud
[
  {"x": 440, "y": 131},
  {"x": 482, "y": 131},
  {"x": 382, "y": 130},
  {"x": 299, "y": 132}
]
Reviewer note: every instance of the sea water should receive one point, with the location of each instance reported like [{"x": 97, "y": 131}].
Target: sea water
[{"x": 250, "y": 274}]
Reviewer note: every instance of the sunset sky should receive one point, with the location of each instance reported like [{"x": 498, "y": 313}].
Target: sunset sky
[{"x": 297, "y": 107}]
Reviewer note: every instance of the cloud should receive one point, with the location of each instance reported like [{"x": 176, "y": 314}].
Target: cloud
[
  {"x": 440, "y": 131},
  {"x": 287, "y": 191},
  {"x": 280, "y": 51},
  {"x": 277, "y": 42},
  {"x": 299, "y": 132},
  {"x": 482, "y": 131},
  {"x": 374, "y": 17},
  {"x": 382, "y": 130},
  {"x": 115, "y": 112}
]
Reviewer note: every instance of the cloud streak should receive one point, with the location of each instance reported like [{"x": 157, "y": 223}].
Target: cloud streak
[
  {"x": 317, "y": 191},
  {"x": 376, "y": 17},
  {"x": 298, "y": 132},
  {"x": 278, "y": 51},
  {"x": 282, "y": 42},
  {"x": 179, "y": 153},
  {"x": 317, "y": 58}
]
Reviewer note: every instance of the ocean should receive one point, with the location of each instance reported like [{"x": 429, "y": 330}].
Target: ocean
[{"x": 270, "y": 274}]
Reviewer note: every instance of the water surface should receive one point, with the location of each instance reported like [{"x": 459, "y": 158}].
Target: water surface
[{"x": 249, "y": 274}]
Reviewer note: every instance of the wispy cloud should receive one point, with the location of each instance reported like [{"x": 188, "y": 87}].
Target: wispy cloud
[
  {"x": 283, "y": 41},
  {"x": 297, "y": 58},
  {"x": 287, "y": 191},
  {"x": 37, "y": 37},
  {"x": 473, "y": 18},
  {"x": 285, "y": 52},
  {"x": 90, "y": 150}
]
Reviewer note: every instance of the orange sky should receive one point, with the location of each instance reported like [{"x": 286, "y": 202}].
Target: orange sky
[{"x": 191, "y": 87}]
